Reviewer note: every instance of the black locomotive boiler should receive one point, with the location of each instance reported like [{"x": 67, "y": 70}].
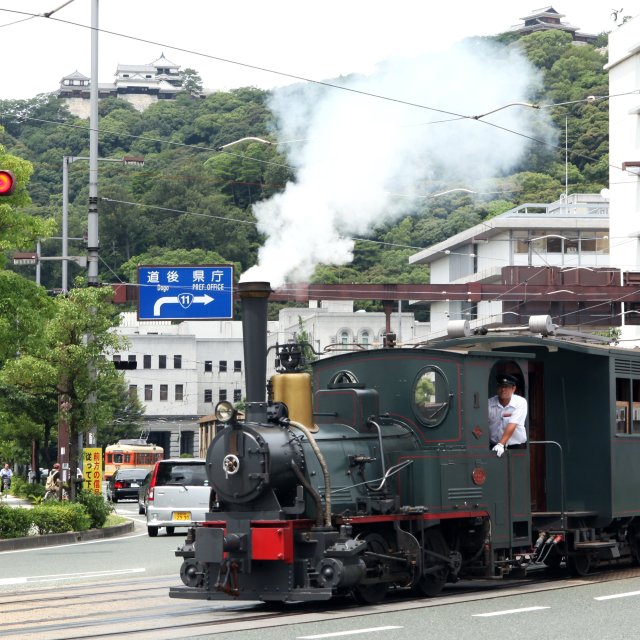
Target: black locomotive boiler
[{"x": 386, "y": 480}]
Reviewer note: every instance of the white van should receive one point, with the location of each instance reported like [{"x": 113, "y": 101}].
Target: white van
[{"x": 179, "y": 494}]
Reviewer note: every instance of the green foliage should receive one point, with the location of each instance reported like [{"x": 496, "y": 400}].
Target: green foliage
[
  {"x": 59, "y": 517},
  {"x": 14, "y": 522},
  {"x": 191, "y": 82},
  {"x": 96, "y": 506},
  {"x": 27, "y": 490}
]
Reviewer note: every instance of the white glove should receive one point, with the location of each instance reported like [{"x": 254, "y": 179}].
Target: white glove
[{"x": 499, "y": 449}]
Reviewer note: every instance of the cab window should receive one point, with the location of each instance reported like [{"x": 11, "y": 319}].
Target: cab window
[{"x": 431, "y": 396}]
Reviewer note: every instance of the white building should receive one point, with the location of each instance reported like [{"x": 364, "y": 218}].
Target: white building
[
  {"x": 624, "y": 157},
  {"x": 572, "y": 232},
  {"x": 183, "y": 370}
]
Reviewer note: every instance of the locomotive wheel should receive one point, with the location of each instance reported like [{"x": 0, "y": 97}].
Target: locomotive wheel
[
  {"x": 373, "y": 593},
  {"x": 431, "y": 584},
  {"x": 579, "y": 564}
]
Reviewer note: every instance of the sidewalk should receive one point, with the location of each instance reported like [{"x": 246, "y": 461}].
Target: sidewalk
[{"x": 12, "y": 501}]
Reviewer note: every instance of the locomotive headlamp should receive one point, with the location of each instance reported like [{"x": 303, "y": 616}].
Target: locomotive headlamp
[{"x": 225, "y": 412}]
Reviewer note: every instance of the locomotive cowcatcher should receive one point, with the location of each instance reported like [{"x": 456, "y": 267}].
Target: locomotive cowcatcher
[{"x": 388, "y": 482}]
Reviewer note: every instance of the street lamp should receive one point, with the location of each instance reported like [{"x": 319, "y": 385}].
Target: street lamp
[
  {"x": 135, "y": 161},
  {"x": 231, "y": 144}
]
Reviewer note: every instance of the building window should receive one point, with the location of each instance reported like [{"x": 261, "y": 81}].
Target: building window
[
  {"x": 186, "y": 442},
  {"x": 222, "y": 395},
  {"x": 208, "y": 395},
  {"x": 365, "y": 338},
  {"x": 133, "y": 391},
  {"x": 177, "y": 362},
  {"x": 146, "y": 362},
  {"x": 164, "y": 392},
  {"x": 131, "y": 358},
  {"x": 162, "y": 362},
  {"x": 595, "y": 242},
  {"x": 117, "y": 358},
  {"x": 208, "y": 365},
  {"x": 237, "y": 395},
  {"x": 148, "y": 392},
  {"x": 237, "y": 366},
  {"x": 344, "y": 337},
  {"x": 222, "y": 366},
  {"x": 521, "y": 241},
  {"x": 179, "y": 394}
]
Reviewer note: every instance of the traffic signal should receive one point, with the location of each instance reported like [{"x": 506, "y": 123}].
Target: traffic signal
[{"x": 7, "y": 182}]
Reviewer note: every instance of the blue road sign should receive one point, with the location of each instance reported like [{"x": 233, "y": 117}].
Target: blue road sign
[{"x": 185, "y": 293}]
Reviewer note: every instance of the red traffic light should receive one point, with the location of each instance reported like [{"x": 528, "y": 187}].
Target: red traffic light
[{"x": 7, "y": 182}]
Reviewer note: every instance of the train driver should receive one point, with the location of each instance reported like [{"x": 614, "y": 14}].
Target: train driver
[{"x": 507, "y": 415}]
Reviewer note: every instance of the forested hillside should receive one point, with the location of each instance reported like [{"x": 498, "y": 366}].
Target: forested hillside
[{"x": 192, "y": 203}]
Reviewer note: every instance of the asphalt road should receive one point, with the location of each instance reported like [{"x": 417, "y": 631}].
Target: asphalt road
[
  {"x": 134, "y": 554},
  {"x": 113, "y": 588}
]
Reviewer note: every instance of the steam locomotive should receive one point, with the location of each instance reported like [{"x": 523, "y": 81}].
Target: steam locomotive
[{"x": 386, "y": 479}]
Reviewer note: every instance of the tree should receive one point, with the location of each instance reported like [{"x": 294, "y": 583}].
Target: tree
[
  {"x": 191, "y": 82},
  {"x": 71, "y": 362}
]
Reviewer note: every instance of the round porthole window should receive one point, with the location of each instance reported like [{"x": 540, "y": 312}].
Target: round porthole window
[{"x": 431, "y": 396}]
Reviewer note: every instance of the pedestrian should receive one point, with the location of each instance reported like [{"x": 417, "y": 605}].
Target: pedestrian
[
  {"x": 507, "y": 415},
  {"x": 5, "y": 478}
]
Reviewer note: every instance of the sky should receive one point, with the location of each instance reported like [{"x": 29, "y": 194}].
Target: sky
[
  {"x": 316, "y": 41},
  {"x": 403, "y": 129}
]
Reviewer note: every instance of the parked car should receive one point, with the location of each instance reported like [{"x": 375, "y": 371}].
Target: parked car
[
  {"x": 178, "y": 494},
  {"x": 143, "y": 493},
  {"x": 125, "y": 483}
]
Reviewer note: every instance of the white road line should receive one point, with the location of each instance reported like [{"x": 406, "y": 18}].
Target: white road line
[
  {"x": 337, "y": 634},
  {"x": 629, "y": 594},
  {"x": 76, "y": 544},
  {"x": 67, "y": 576},
  {"x": 507, "y": 612}
]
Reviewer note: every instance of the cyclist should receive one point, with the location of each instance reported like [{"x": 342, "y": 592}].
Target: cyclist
[
  {"x": 53, "y": 485},
  {"x": 5, "y": 478}
]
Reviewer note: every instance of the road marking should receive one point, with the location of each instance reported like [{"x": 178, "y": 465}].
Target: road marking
[
  {"x": 67, "y": 576},
  {"x": 629, "y": 594},
  {"x": 507, "y": 612},
  {"x": 347, "y": 633},
  {"x": 76, "y": 544}
]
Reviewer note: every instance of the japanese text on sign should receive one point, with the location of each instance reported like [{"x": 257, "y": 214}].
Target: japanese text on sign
[{"x": 92, "y": 469}]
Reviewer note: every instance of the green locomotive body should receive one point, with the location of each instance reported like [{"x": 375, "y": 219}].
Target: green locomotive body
[{"x": 387, "y": 479}]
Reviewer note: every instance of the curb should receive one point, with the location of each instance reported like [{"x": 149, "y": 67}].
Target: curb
[{"x": 53, "y": 539}]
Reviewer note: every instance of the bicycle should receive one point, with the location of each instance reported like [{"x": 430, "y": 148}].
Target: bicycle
[{"x": 52, "y": 495}]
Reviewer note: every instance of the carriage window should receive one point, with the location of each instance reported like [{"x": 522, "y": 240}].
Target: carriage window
[
  {"x": 118, "y": 458},
  {"x": 431, "y": 396},
  {"x": 623, "y": 393}
]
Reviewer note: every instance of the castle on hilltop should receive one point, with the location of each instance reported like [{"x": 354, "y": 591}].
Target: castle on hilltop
[
  {"x": 141, "y": 85},
  {"x": 548, "y": 18}
]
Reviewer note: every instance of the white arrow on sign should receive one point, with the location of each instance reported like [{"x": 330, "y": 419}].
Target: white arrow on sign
[{"x": 185, "y": 300}]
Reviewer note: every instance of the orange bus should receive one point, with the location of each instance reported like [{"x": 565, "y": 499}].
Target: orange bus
[{"x": 129, "y": 454}]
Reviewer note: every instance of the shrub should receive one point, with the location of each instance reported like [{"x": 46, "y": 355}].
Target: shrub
[
  {"x": 19, "y": 486},
  {"x": 14, "y": 523},
  {"x": 96, "y": 506},
  {"x": 60, "y": 517}
]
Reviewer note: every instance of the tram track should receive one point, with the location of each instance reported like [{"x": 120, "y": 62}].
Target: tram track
[{"x": 143, "y": 610}]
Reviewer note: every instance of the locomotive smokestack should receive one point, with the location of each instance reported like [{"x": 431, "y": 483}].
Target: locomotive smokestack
[{"x": 254, "y": 296}]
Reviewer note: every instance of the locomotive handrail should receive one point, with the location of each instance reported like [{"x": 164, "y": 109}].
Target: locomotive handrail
[{"x": 563, "y": 515}]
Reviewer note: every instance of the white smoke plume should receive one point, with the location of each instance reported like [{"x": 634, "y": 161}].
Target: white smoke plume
[{"x": 361, "y": 161}]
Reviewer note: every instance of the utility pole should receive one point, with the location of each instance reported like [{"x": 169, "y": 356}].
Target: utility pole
[{"x": 93, "y": 242}]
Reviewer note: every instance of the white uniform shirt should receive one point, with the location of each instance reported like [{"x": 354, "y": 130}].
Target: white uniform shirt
[{"x": 500, "y": 417}]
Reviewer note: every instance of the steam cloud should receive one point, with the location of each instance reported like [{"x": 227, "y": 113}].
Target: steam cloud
[{"x": 361, "y": 161}]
